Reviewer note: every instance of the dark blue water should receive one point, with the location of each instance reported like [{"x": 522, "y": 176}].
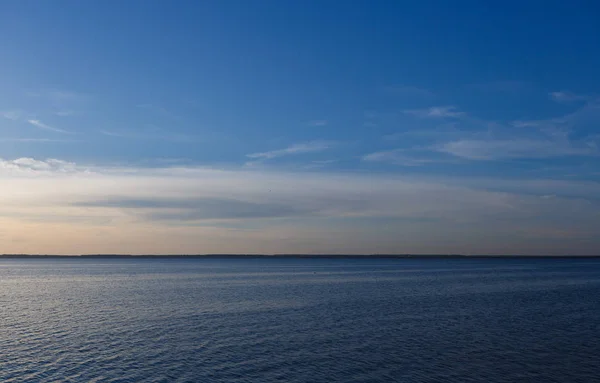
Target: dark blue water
[{"x": 299, "y": 320}]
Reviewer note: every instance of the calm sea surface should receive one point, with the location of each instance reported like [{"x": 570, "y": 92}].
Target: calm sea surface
[{"x": 300, "y": 320}]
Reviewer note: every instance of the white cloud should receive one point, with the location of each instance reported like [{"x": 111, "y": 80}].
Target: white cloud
[
  {"x": 41, "y": 125},
  {"x": 318, "y": 123},
  {"x": 307, "y": 147},
  {"x": 33, "y": 166},
  {"x": 436, "y": 112}
]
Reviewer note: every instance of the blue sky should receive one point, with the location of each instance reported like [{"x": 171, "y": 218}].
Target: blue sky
[{"x": 313, "y": 126}]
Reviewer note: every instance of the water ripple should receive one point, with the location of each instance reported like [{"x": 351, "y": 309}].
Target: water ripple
[{"x": 299, "y": 321}]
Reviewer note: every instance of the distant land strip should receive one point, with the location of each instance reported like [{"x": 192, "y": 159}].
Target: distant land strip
[{"x": 324, "y": 256}]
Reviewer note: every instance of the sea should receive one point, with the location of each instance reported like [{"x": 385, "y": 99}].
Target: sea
[{"x": 269, "y": 319}]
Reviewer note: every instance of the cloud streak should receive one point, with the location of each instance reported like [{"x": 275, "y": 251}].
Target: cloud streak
[
  {"x": 195, "y": 209},
  {"x": 513, "y": 149},
  {"x": 13, "y": 115},
  {"x": 475, "y": 139},
  {"x": 41, "y": 125},
  {"x": 436, "y": 112},
  {"x": 400, "y": 157},
  {"x": 301, "y": 148},
  {"x": 33, "y": 166},
  {"x": 565, "y": 96}
]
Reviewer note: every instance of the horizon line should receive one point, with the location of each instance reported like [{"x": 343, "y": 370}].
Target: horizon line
[{"x": 293, "y": 255}]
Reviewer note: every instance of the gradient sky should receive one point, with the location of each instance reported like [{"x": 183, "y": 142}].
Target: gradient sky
[{"x": 299, "y": 127}]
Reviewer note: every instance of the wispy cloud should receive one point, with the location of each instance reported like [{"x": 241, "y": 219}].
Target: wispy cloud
[
  {"x": 581, "y": 123},
  {"x": 41, "y": 125},
  {"x": 436, "y": 112},
  {"x": 28, "y": 164},
  {"x": 474, "y": 138},
  {"x": 194, "y": 209},
  {"x": 114, "y": 134},
  {"x": 492, "y": 149},
  {"x": 527, "y": 124},
  {"x": 301, "y": 148},
  {"x": 11, "y": 114},
  {"x": 318, "y": 123},
  {"x": 18, "y": 115},
  {"x": 566, "y": 96}
]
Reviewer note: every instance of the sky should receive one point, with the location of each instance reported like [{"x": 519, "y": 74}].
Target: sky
[{"x": 359, "y": 127}]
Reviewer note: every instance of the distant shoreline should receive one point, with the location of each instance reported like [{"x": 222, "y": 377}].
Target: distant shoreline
[{"x": 286, "y": 256}]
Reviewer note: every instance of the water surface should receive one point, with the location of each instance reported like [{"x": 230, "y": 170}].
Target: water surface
[{"x": 299, "y": 320}]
